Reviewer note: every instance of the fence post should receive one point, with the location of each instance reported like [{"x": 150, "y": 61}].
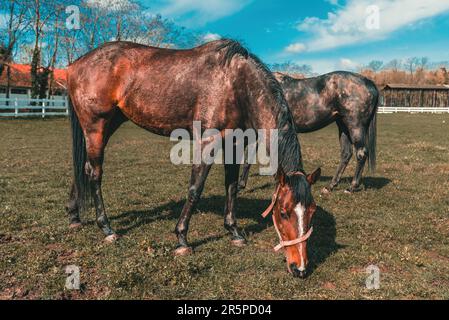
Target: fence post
[
  {"x": 16, "y": 108},
  {"x": 43, "y": 109},
  {"x": 67, "y": 105}
]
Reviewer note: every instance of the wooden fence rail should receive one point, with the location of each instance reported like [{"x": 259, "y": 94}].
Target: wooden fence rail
[{"x": 16, "y": 107}]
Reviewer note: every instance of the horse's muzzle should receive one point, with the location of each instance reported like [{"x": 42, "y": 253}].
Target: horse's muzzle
[{"x": 296, "y": 272}]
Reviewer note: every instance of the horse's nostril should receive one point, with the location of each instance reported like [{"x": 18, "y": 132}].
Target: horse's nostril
[
  {"x": 302, "y": 274},
  {"x": 296, "y": 272}
]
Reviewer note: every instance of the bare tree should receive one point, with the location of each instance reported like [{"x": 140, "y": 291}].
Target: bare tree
[
  {"x": 394, "y": 65},
  {"x": 52, "y": 38},
  {"x": 423, "y": 62},
  {"x": 15, "y": 25},
  {"x": 122, "y": 20},
  {"x": 69, "y": 46},
  {"x": 375, "y": 65},
  {"x": 46, "y": 22},
  {"x": 40, "y": 12},
  {"x": 411, "y": 64},
  {"x": 160, "y": 32},
  {"x": 293, "y": 68},
  {"x": 46, "y": 42}
]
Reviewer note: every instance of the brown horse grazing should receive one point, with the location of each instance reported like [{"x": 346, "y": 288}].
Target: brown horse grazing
[
  {"x": 346, "y": 98},
  {"x": 220, "y": 84}
]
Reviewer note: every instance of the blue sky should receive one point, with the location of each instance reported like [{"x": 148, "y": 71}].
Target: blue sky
[{"x": 327, "y": 34}]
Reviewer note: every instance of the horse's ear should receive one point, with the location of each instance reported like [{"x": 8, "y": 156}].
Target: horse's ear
[{"x": 314, "y": 177}]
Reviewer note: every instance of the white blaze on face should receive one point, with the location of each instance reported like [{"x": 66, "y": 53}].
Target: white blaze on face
[{"x": 300, "y": 212}]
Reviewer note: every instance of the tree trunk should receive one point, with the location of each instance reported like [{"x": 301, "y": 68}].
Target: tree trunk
[
  {"x": 8, "y": 83},
  {"x": 35, "y": 62}
]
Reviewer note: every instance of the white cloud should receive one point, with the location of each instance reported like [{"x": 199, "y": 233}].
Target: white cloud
[
  {"x": 211, "y": 37},
  {"x": 296, "y": 48},
  {"x": 348, "y": 65},
  {"x": 198, "y": 12},
  {"x": 348, "y": 24}
]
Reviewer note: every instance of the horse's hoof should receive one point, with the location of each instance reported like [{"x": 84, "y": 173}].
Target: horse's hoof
[
  {"x": 352, "y": 190},
  {"x": 238, "y": 242},
  {"x": 75, "y": 225},
  {"x": 183, "y": 251},
  {"x": 325, "y": 191},
  {"x": 111, "y": 238}
]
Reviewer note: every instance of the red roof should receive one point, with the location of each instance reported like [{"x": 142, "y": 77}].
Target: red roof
[{"x": 21, "y": 77}]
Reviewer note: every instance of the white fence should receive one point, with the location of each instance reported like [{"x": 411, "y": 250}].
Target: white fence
[
  {"x": 412, "y": 110},
  {"x": 15, "y": 107}
]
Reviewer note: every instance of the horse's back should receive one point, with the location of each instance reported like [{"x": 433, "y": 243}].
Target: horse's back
[{"x": 158, "y": 89}]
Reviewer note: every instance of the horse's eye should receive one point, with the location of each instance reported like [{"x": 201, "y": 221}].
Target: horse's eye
[{"x": 284, "y": 214}]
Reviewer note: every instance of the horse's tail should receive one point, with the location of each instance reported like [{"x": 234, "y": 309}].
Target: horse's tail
[
  {"x": 79, "y": 156},
  {"x": 372, "y": 131}
]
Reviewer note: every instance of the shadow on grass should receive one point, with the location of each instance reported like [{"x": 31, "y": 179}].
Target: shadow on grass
[
  {"x": 259, "y": 188},
  {"x": 322, "y": 242},
  {"x": 246, "y": 209},
  {"x": 321, "y": 245},
  {"x": 376, "y": 183}
]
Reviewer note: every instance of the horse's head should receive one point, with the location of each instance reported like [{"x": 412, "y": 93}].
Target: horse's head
[{"x": 293, "y": 208}]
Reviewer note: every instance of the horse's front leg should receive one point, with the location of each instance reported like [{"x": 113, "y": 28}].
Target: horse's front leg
[
  {"x": 196, "y": 186},
  {"x": 231, "y": 185},
  {"x": 244, "y": 177},
  {"x": 243, "y": 181}
]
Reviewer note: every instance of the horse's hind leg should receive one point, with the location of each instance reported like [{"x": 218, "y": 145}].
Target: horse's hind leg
[
  {"x": 358, "y": 137},
  {"x": 231, "y": 185},
  {"x": 346, "y": 155},
  {"x": 72, "y": 207},
  {"x": 196, "y": 186},
  {"x": 96, "y": 139},
  {"x": 95, "y": 142}
]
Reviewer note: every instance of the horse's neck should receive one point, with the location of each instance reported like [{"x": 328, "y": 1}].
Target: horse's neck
[
  {"x": 274, "y": 117},
  {"x": 268, "y": 110},
  {"x": 289, "y": 149},
  {"x": 263, "y": 114}
]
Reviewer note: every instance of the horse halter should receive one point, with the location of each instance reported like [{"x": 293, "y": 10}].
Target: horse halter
[{"x": 282, "y": 244}]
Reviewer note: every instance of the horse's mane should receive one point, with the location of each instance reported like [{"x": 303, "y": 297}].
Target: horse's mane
[{"x": 289, "y": 149}]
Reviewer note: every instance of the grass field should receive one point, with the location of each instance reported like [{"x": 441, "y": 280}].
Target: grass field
[{"x": 399, "y": 223}]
